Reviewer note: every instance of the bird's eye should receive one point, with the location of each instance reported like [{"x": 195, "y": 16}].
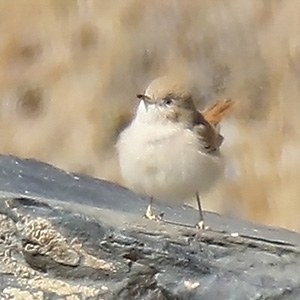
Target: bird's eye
[{"x": 168, "y": 100}]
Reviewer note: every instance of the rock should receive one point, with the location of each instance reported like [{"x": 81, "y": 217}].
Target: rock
[{"x": 68, "y": 236}]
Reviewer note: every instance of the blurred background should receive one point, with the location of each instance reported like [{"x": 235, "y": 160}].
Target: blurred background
[{"x": 70, "y": 70}]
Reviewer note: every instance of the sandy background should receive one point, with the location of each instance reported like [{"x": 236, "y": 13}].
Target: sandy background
[{"x": 69, "y": 72}]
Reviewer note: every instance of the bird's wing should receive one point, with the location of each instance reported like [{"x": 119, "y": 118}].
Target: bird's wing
[
  {"x": 208, "y": 131},
  {"x": 210, "y": 139}
]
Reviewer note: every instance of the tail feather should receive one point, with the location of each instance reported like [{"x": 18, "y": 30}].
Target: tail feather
[{"x": 214, "y": 114}]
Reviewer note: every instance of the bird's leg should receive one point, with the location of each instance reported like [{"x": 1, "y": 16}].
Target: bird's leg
[
  {"x": 200, "y": 223},
  {"x": 149, "y": 214}
]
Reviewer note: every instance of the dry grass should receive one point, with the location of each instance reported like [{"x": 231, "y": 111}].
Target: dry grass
[{"x": 69, "y": 71}]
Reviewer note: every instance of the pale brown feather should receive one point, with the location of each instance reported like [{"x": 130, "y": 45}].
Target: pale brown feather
[{"x": 215, "y": 113}]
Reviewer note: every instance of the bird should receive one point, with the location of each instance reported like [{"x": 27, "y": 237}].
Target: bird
[{"x": 171, "y": 151}]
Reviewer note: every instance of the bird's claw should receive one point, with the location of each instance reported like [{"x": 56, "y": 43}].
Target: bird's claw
[
  {"x": 200, "y": 225},
  {"x": 151, "y": 216}
]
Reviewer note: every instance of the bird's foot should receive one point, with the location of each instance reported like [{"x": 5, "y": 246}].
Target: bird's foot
[
  {"x": 149, "y": 214},
  {"x": 200, "y": 225}
]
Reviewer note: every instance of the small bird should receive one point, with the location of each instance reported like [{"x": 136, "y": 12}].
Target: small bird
[{"x": 170, "y": 150}]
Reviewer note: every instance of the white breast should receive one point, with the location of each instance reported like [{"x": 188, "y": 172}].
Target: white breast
[{"x": 163, "y": 160}]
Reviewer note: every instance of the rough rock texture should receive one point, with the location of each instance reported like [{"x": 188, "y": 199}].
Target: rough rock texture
[{"x": 65, "y": 236}]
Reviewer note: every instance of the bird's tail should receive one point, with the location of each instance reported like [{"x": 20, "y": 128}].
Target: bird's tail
[{"x": 215, "y": 113}]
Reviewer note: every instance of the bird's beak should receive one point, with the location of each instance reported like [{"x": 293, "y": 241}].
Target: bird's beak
[{"x": 147, "y": 100}]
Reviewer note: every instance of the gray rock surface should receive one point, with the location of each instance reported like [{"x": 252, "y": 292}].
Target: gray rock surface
[{"x": 67, "y": 236}]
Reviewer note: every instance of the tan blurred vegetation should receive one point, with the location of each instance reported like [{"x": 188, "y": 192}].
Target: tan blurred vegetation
[{"x": 69, "y": 72}]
